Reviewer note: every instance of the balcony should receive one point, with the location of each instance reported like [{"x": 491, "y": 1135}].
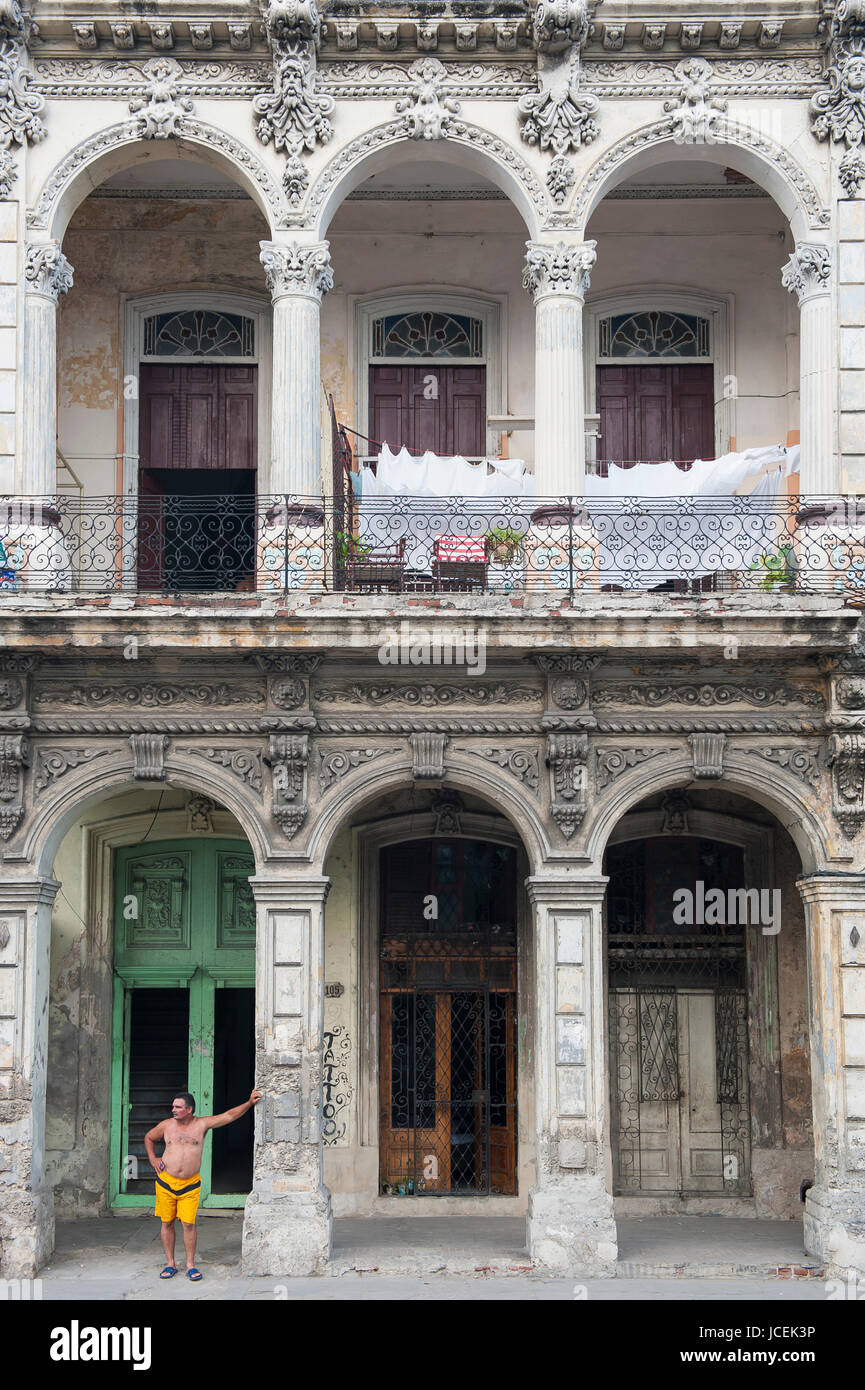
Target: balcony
[{"x": 565, "y": 548}]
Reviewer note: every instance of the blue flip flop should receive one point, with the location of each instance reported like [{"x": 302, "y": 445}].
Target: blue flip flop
[
  {"x": 194, "y": 1274},
  {"x": 168, "y": 1272}
]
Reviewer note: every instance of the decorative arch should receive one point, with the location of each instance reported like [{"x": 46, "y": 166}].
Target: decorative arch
[
  {"x": 108, "y": 151},
  {"x": 375, "y": 781},
  {"x": 769, "y": 164},
  {"x": 92, "y": 783},
  {"x": 788, "y": 800},
  {"x": 472, "y": 147}
]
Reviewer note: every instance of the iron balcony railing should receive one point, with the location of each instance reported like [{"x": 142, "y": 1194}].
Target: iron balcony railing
[{"x": 564, "y": 547}]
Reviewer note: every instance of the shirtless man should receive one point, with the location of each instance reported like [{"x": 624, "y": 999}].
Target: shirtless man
[{"x": 178, "y": 1176}]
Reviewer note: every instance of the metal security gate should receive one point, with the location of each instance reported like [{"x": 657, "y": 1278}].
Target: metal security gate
[
  {"x": 678, "y": 1028},
  {"x": 448, "y": 1067}
]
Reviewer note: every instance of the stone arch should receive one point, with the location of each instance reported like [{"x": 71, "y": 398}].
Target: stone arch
[
  {"x": 787, "y": 799},
  {"x": 471, "y": 147},
  {"x": 376, "y": 781},
  {"x": 108, "y": 151},
  {"x": 770, "y": 166},
  {"x": 87, "y": 786}
]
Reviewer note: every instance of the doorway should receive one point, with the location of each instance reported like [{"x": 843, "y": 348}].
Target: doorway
[
  {"x": 184, "y": 1007},
  {"x": 653, "y": 413},
  {"x": 198, "y": 451},
  {"x": 448, "y": 1019},
  {"x": 432, "y": 407}
]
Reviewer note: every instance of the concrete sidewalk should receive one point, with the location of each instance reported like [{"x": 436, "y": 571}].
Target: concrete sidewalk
[{"x": 441, "y": 1258}]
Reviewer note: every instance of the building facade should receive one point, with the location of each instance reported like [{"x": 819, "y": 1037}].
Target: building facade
[{"x": 518, "y": 881}]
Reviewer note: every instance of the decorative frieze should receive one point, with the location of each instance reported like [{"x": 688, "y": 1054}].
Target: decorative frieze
[
  {"x": 14, "y": 759},
  {"x": 425, "y": 696},
  {"x": 808, "y": 272},
  {"x": 563, "y": 268},
  {"x": 704, "y": 696},
  {"x": 160, "y": 110},
  {"x": 148, "y": 756},
  {"x": 847, "y": 760},
  {"x": 46, "y": 270},
  {"x": 149, "y": 694},
  {"x": 707, "y": 751},
  {"x": 288, "y": 759},
  {"x": 567, "y": 756},
  {"x": 297, "y": 269},
  {"x": 427, "y": 114}
]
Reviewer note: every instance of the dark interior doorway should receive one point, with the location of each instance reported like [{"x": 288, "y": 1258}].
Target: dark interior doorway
[{"x": 233, "y": 1079}]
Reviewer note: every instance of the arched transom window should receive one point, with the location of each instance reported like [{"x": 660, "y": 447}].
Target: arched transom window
[
  {"x": 426, "y": 333},
  {"x": 654, "y": 333}
]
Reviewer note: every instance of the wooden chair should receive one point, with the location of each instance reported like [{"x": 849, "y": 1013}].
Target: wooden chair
[
  {"x": 459, "y": 564},
  {"x": 374, "y": 570}
]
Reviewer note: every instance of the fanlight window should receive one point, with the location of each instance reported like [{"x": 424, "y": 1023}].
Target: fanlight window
[
  {"x": 654, "y": 333},
  {"x": 199, "y": 333},
  {"x": 427, "y": 334}
]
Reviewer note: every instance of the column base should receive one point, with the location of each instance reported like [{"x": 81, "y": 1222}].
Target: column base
[
  {"x": 835, "y": 1228},
  {"x": 26, "y": 1232},
  {"x": 287, "y": 1234},
  {"x": 572, "y": 1230}
]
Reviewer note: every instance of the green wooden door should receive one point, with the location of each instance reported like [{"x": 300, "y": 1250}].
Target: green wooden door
[{"x": 184, "y": 934}]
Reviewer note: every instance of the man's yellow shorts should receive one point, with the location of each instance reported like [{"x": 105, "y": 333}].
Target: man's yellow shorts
[{"x": 177, "y": 1197}]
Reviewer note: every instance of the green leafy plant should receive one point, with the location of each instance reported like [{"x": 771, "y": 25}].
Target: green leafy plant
[
  {"x": 503, "y": 543},
  {"x": 779, "y": 568},
  {"x": 348, "y": 547}
]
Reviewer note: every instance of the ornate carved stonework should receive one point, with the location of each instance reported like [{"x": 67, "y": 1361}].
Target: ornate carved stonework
[
  {"x": 150, "y": 695},
  {"x": 392, "y": 80},
  {"x": 284, "y": 663},
  {"x": 561, "y": 115},
  {"x": 427, "y": 755},
  {"x": 199, "y": 815},
  {"x": 567, "y": 692},
  {"x": 426, "y": 696},
  {"x": 46, "y": 270},
  {"x": 555, "y": 662},
  {"x": 20, "y": 122},
  {"x": 286, "y": 21},
  {"x": 52, "y": 763},
  {"x": 808, "y": 271},
  {"x": 847, "y": 760},
  {"x": 850, "y": 693},
  {"x": 148, "y": 756},
  {"x": 160, "y": 110},
  {"x": 560, "y": 269},
  {"x": 288, "y": 694},
  {"x": 336, "y": 763},
  {"x": 447, "y": 807},
  {"x": 567, "y": 756},
  {"x": 242, "y": 762},
  {"x": 11, "y": 692},
  {"x": 521, "y": 763},
  {"x": 297, "y": 269},
  {"x": 704, "y": 695},
  {"x": 288, "y": 758},
  {"x": 695, "y": 110},
  {"x": 426, "y": 112},
  {"x": 14, "y": 758},
  {"x": 675, "y": 808},
  {"x": 802, "y": 762},
  {"x": 611, "y": 763},
  {"x": 295, "y": 115},
  {"x": 556, "y": 24},
  {"x": 708, "y": 754}
]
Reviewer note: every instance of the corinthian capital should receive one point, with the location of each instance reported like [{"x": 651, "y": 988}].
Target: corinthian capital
[
  {"x": 560, "y": 269},
  {"x": 297, "y": 269},
  {"x": 808, "y": 270},
  {"x": 46, "y": 270}
]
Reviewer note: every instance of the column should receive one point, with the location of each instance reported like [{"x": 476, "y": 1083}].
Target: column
[
  {"x": 808, "y": 275},
  {"x": 47, "y": 275},
  {"x": 571, "y": 1227},
  {"x": 835, "y": 1205},
  {"x": 557, "y": 277},
  {"x": 26, "y": 1203},
  {"x": 287, "y": 1219},
  {"x": 297, "y": 277}
]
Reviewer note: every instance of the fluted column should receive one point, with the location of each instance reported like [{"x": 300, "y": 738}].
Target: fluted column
[
  {"x": 557, "y": 277},
  {"x": 808, "y": 275},
  {"x": 297, "y": 277},
  {"x": 47, "y": 275}
]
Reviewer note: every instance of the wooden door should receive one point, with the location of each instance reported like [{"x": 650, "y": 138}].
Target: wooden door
[
  {"x": 503, "y": 1094},
  {"x": 415, "y": 1090},
  {"x": 654, "y": 413},
  {"x": 434, "y": 407},
  {"x": 198, "y": 416}
]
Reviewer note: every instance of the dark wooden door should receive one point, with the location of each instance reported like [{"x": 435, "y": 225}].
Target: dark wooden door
[
  {"x": 199, "y": 416},
  {"x": 655, "y": 413},
  {"x": 433, "y": 407}
]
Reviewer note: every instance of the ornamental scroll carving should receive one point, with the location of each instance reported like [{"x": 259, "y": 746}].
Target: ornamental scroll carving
[
  {"x": 808, "y": 271},
  {"x": 46, "y": 270},
  {"x": 567, "y": 756},
  {"x": 295, "y": 115},
  {"x": 288, "y": 758},
  {"x": 560, "y": 269},
  {"x": 838, "y": 109},
  {"x": 161, "y": 109},
  {"x": 241, "y": 762},
  {"x": 20, "y": 121},
  {"x": 559, "y": 117},
  {"x": 847, "y": 760},
  {"x": 14, "y": 758},
  {"x": 297, "y": 269}
]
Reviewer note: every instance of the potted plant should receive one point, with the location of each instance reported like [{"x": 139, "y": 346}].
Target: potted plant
[
  {"x": 779, "y": 569},
  {"x": 504, "y": 545},
  {"x": 348, "y": 547}
]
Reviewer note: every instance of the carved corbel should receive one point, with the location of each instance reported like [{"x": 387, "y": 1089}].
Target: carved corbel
[
  {"x": 148, "y": 756},
  {"x": 707, "y": 751},
  {"x": 567, "y": 759},
  {"x": 847, "y": 760},
  {"x": 14, "y": 758},
  {"x": 289, "y": 760},
  {"x": 427, "y": 755}
]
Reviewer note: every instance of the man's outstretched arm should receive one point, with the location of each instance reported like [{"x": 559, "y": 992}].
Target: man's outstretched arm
[
  {"x": 150, "y": 1138},
  {"x": 229, "y": 1116}
]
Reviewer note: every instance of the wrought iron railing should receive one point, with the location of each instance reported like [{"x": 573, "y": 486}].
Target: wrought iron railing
[{"x": 565, "y": 547}]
